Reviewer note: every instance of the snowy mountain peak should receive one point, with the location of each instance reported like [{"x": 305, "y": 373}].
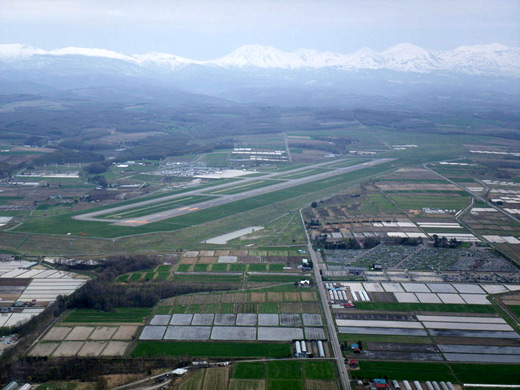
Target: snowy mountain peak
[
  {"x": 491, "y": 59},
  {"x": 16, "y": 51},
  {"x": 88, "y": 52},
  {"x": 253, "y": 55},
  {"x": 491, "y": 48}
]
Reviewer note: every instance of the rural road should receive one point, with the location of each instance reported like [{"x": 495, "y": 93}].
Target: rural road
[
  {"x": 333, "y": 337},
  {"x": 224, "y": 199},
  {"x": 472, "y": 194}
]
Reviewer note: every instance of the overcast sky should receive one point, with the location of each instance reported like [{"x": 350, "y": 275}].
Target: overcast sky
[{"x": 203, "y": 29}]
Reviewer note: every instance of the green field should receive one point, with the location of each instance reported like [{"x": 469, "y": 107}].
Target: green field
[
  {"x": 217, "y": 159},
  {"x": 164, "y": 268},
  {"x": 454, "y": 372},
  {"x": 417, "y": 202},
  {"x": 249, "y": 370},
  {"x": 208, "y": 277},
  {"x": 323, "y": 370},
  {"x": 219, "y": 267},
  {"x": 268, "y": 307},
  {"x": 237, "y": 267},
  {"x": 275, "y": 278},
  {"x": 200, "y": 267},
  {"x": 210, "y": 349},
  {"x": 377, "y": 338},
  {"x": 127, "y": 314},
  {"x": 135, "y": 277},
  {"x": 404, "y": 370},
  {"x": 163, "y": 310},
  {"x": 287, "y": 374},
  {"x": 284, "y": 384},
  {"x": 123, "y": 278},
  {"x": 458, "y": 308},
  {"x": 276, "y": 267},
  {"x": 285, "y": 369},
  {"x": 257, "y": 267},
  {"x": 59, "y": 386}
]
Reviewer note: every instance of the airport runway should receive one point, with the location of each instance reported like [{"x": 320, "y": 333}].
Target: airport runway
[{"x": 223, "y": 199}]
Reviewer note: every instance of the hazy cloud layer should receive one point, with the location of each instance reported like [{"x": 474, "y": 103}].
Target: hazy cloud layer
[{"x": 208, "y": 29}]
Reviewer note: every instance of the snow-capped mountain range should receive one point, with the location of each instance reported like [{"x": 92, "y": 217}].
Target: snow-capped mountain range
[{"x": 493, "y": 59}]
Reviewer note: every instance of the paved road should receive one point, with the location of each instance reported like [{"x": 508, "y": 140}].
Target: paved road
[
  {"x": 333, "y": 337},
  {"x": 222, "y": 199}
]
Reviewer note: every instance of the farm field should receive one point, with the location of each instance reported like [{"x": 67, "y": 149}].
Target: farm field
[
  {"x": 70, "y": 340},
  {"x": 418, "y": 332},
  {"x": 281, "y": 313},
  {"x": 456, "y": 373},
  {"x": 271, "y": 265},
  {"x": 212, "y": 349},
  {"x": 125, "y": 315},
  {"x": 281, "y": 374}
]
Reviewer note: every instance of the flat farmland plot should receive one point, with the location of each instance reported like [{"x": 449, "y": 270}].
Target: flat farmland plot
[
  {"x": 320, "y": 385},
  {"x": 115, "y": 348},
  {"x": 194, "y": 382},
  {"x": 233, "y": 333},
  {"x": 57, "y": 333},
  {"x": 274, "y": 296},
  {"x": 153, "y": 333},
  {"x": 225, "y": 319},
  {"x": 246, "y": 384},
  {"x": 257, "y": 297},
  {"x": 312, "y": 319},
  {"x": 246, "y": 319},
  {"x": 249, "y": 370},
  {"x": 103, "y": 333},
  {"x": 203, "y": 319},
  {"x": 285, "y": 369},
  {"x": 92, "y": 348},
  {"x": 130, "y": 314},
  {"x": 187, "y": 333},
  {"x": 417, "y": 202},
  {"x": 213, "y": 349},
  {"x": 68, "y": 348},
  {"x": 324, "y": 370},
  {"x": 285, "y": 384},
  {"x": 401, "y": 370},
  {"x": 163, "y": 310},
  {"x": 290, "y": 320},
  {"x": 268, "y": 319},
  {"x": 216, "y": 378},
  {"x": 279, "y": 334},
  {"x": 292, "y": 296},
  {"x": 124, "y": 332},
  {"x": 80, "y": 333},
  {"x": 314, "y": 333},
  {"x": 269, "y": 307},
  {"x": 44, "y": 349},
  {"x": 160, "y": 319}
]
